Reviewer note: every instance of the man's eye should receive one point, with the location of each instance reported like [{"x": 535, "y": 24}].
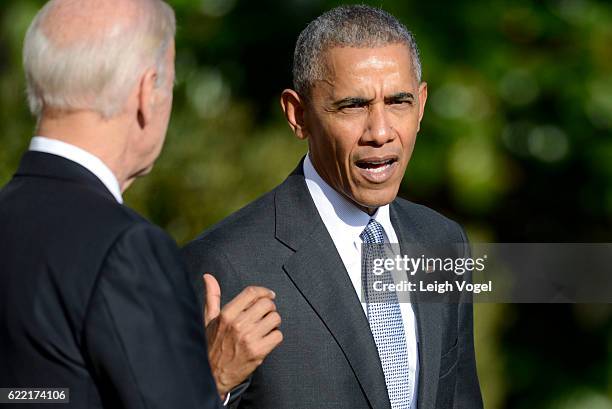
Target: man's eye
[
  {"x": 353, "y": 106},
  {"x": 400, "y": 102}
]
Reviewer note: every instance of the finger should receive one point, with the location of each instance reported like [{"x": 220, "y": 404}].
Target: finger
[
  {"x": 271, "y": 341},
  {"x": 256, "y": 312},
  {"x": 268, "y": 324},
  {"x": 213, "y": 298},
  {"x": 245, "y": 299}
]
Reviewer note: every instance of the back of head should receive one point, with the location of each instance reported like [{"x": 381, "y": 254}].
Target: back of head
[
  {"x": 89, "y": 54},
  {"x": 357, "y": 26}
]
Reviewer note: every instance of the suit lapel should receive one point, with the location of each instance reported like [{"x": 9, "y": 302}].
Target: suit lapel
[
  {"x": 428, "y": 315},
  {"x": 318, "y": 272}
]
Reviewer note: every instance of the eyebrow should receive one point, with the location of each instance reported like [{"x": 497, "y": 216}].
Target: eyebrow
[
  {"x": 351, "y": 101},
  {"x": 360, "y": 101},
  {"x": 400, "y": 96}
]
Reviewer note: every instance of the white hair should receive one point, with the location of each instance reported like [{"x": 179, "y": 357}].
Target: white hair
[{"x": 98, "y": 70}]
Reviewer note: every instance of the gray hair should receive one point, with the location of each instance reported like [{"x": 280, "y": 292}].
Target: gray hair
[
  {"x": 98, "y": 70},
  {"x": 358, "y": 26}
]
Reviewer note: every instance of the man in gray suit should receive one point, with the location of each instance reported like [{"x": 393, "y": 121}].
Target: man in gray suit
[{"x": 358, "y": 100}]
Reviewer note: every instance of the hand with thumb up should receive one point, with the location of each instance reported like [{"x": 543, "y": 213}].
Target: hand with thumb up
[{"x": 241, "y": 334}]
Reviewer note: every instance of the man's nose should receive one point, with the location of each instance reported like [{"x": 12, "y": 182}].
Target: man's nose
[{"x": 379, "y": 130}]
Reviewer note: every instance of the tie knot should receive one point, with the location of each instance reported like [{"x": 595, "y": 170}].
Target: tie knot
[{"x": 373, "y": 233}]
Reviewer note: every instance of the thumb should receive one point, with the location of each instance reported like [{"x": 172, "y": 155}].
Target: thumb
[{"x": 212, "y": 295}]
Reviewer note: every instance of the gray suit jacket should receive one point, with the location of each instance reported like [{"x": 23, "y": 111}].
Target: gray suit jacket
[{"x": 328, "y": 358}]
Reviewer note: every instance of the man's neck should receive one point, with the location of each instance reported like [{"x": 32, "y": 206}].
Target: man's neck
[{"x": 90, "y": 132}]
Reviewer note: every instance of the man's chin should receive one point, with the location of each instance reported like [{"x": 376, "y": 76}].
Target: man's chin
[{"x": 371, "y": 201}]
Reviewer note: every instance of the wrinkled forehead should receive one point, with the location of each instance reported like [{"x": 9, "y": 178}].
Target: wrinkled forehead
[{"x": 346, "y": 66}]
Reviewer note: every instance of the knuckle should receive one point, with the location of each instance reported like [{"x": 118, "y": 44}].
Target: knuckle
[
  {"x": 267, "y": 304},
  {"x": 251, "y": 348},
  {"x": 235, "y": 326},
  {"x": 224, "y": 319},
  {"x": 259, "y": 305},
  {"x": 243, "y": 341},
  {"x": 260, "y": 353},
  {"x": 276, "y": 318}
]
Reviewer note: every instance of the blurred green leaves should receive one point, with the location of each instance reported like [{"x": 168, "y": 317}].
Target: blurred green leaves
[{"x": 515, "y": 144}]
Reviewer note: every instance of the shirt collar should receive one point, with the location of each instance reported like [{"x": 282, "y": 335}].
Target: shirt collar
[
  {"x": 338, "y": 212},
  {"x": 82, "y": 157}
]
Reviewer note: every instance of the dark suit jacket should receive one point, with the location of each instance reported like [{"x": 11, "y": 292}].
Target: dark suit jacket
[
  {"x": 93, "y": 297},
  {"x": 328, "y": 358}
]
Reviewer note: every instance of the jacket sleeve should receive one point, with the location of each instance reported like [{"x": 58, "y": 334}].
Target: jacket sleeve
[
  {"x": 467, "y": 388},
  {"x": 143, "y": 333}
]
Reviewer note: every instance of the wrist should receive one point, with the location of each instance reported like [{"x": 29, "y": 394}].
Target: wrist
[{"x": 222, "y": 388}]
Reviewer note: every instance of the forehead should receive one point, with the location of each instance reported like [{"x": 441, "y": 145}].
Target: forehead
[{"x": 351, "y": 66}]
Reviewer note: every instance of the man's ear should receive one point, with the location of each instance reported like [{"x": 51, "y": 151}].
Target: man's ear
[
  {"x": 422, "y": 101},
  {"x": 293, "y": 107},
  {"x": 146, "y": 97}
]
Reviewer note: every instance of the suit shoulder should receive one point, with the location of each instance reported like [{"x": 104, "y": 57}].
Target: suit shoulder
[
  {"x": 145, "y": 244},
  {"x": 422, "y": 211},
  {"x": 122, "y": 225},
  {"x": 110, "y": 218},
  {"x": 427, "y": 219},
  {"x": 254, "y": 219},
  {"x": 73, "y": 216}
]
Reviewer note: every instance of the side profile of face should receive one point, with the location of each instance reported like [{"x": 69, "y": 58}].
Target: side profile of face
[{"x": 361, "y": 121}]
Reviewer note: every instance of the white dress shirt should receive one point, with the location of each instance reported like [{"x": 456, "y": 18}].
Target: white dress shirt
[
  {"x": 345, "y": 222},
  {"x": 82, "y": 157}
]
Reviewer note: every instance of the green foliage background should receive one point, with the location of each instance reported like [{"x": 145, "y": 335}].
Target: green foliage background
[{"x": 516, "y": 145}]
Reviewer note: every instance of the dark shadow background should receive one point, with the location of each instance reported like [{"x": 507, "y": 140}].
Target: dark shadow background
[{"x": 516, "y": 145}]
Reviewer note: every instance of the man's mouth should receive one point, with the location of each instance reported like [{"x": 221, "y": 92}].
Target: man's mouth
[
  {"x": 377, "y": 170},
  {"x": 375, "y": 165}
]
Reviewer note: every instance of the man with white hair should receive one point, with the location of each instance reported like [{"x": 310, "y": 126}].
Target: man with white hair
[{"x": 93, "y": 297}]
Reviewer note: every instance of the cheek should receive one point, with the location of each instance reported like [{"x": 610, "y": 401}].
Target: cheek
[
  {"x": 406, "y": 127},
  {"x": 168, "y": 107},
  {"x": 408, "y": 140},
  {"x": 344, "y": 139}
]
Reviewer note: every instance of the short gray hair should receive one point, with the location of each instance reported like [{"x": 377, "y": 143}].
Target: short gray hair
[
  {"x": 358, "y": 26},
  {"x": 98, "y": 71}
]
